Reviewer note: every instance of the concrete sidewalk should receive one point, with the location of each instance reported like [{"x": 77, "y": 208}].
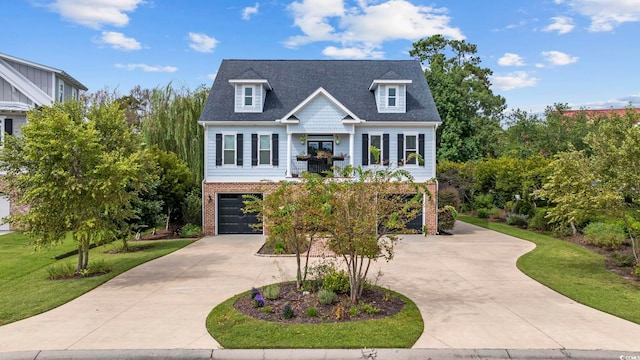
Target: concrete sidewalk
[{"x": 468, "y": 289}]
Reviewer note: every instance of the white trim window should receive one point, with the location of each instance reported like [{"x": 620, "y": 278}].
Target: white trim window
[
  {"x": 264, "y": 148},
  {"x": 375, "y": 140},
  {"x": 410, "y": 147},
  {"x": 392, "y": 96},
  {"x": 229, "y": 149},
  {"x": 60, "y": 91},
  {"x": 248, "y": 93}
]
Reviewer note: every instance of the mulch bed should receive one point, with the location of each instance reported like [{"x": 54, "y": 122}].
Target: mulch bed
[{"x": 300, "y": 302}]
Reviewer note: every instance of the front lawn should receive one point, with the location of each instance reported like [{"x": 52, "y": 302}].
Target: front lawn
[
  {"x": 25, "y": 290},
  {"x": 573, "y": 271}
]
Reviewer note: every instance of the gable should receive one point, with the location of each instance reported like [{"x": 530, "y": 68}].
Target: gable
[
  {"x": 22, "y": 84},
  {"x": 320, "y": 115}
]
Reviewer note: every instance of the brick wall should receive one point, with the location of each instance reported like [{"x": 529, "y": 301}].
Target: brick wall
[{"x": 211, "y": 190}]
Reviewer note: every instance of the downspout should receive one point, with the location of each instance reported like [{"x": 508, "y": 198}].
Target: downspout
[{"x": 204, "y": 177}]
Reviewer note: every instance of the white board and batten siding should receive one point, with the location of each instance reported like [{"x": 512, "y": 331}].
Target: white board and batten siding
[{"x": 320, "y": 116}]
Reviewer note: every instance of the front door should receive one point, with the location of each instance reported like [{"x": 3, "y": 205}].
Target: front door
[{"x": 319, "y": 165}]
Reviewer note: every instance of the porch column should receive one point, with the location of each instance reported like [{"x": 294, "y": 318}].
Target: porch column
[
  {"x": 288, "y": 155},
  {"x": 351, "y": 148}
]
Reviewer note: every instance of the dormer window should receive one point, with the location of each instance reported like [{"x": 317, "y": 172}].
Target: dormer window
[
  {"x": 250, "y": 94},
  {"x": 390, "y": 95}
]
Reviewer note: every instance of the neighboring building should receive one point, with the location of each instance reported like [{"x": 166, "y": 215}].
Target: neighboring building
[
  {"x": 592, "y": 114},
  {"x": 269, "y": 120},
  {"x": 23, "y": 86}
]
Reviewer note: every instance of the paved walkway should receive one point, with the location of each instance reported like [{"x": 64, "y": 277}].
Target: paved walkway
[{"x": 467, "y": 287}]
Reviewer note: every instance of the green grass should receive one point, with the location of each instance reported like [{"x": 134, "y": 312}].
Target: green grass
[
  {"x": 25, "y": 290},
  {"x": 573, "y": 271},
  {"x": 234, "y": 330}
]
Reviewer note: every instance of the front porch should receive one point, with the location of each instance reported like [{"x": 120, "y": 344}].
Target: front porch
[{"x": 319, "y": 153}]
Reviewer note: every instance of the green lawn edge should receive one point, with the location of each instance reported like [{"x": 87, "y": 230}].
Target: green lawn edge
[
  {"x": 573, "y": 271},
  {"x": 234, "y": 330},
  {"x": 27, "y": 292}
]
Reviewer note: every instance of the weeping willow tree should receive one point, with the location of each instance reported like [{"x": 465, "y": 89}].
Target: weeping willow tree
[{"x": 172, "y": 125}]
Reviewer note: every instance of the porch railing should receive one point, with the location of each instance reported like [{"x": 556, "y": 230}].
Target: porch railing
[{"x": 317, "y": 165}]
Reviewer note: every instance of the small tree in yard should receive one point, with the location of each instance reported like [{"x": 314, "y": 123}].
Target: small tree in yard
[
  {"x": 293, "y": 216},
  {"x": 364, "y": 215},
  {"x": 77, "y": 170}
]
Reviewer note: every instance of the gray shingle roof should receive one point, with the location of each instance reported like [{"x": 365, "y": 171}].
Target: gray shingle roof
[{"x": 294, "y": 80}]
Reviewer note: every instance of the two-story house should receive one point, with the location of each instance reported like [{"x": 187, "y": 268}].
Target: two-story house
[
  {"x": 23, "y": 86},
  {"x": 269, "y": 120}
]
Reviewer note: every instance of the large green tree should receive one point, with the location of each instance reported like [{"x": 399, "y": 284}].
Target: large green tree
[
  {"x": 470, "y": 112},
  {"x": 602, "y": 179},
  {"x": 171, "y": 123},
  {"x": 77, "y": 169}
]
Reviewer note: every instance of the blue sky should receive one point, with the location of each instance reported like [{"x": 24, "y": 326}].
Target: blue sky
[{"x": 580, "y": 52}]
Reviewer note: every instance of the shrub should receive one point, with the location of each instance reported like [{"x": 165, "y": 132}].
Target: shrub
[
  {"x": 271, "y": 292},
  {"x": 354, "y": 311},
  {"x": 99, "y": 266},
  {"x": 61, "y": 270},
  {"x": 192, "y": 208},
  {"x": 190, "y": 230},
  {"x": 368, "y": 308},
  {"x": 605, "y": 235},
  {"x": 287, "y": 312},
  {"x": 538, "y": 221},
  {"x": 267, "y": 309},
  {"x": 336, "y": 281},
  {"x": 483, "y": 201},
  {"x": 280, "y": 247},
  {"x": 312, "y": 312},
  {"x": 448, "y": 195},
  {"x": 254, "y": 292},
  {"x": 483, "y": 213},
  {"x": 258, "y": 301},
  {"x": 623, "y": 260},
  {"x": 446, "y": 218},
  {"x": 523, "y": 207},
  {"x": 517, "y": 220},
  {"x": 327, "y": 297}
]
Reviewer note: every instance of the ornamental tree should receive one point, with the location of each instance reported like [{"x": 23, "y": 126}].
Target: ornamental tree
[
  {"x": 77, "y": 169},
  {"x": 364, "y": 214}
]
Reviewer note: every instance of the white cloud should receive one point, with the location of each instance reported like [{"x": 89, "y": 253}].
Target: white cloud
[
  {"x": 510, "y": 59},
  {"x": 118, "y": 41},
  {"x": 561, "y": 24},
  {"x": 558, "y": 58},
  {"x": 365, "y": 25},
  {"x": 514, "y": 80},
  {"x": 352, "y": 53},
  {"x": 202, "y": 42},
  {"x": 147, "y": 68},
  {"x": 248, "y": 11},
  {"x": 95, "y": 13},
  {"x": 605, "y": 15}
]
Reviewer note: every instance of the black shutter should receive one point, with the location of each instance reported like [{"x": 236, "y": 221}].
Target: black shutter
[
  {"x": 254, "y": 149},
  {"x": 8, "y": 126},
  {"x": 239, "y": 153},
  {"x": 385, "y": 149},
  {"x": 274, "y": 150},
  {"x": 400, "y": 149},
  {"x": 365, "y": 149},
  {"x": 421, "y": 147},
  {"x": 218, "y": 149}
]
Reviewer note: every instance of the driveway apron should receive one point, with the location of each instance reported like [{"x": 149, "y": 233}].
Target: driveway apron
[{"x": 467, "y": 286}]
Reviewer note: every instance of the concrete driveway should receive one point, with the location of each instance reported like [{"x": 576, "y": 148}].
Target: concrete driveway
[{"x": 468, "y": 289}]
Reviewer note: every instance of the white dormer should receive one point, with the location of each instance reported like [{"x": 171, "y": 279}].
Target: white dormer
[
  {"x": 391, "y": 95},
  {"x": 250, "y": 94}
]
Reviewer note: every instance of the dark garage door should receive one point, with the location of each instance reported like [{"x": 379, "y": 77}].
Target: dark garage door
[
  {"x": 231, "y": 219},
  {"x": 415, "y": 224}
]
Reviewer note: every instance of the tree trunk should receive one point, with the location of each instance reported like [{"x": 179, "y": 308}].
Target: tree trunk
[
  {"x": 80, "y": 258},
  {"x": 168, "y": 219}
]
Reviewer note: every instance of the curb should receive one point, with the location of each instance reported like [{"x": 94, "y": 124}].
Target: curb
[{"x": 328, "y": 354}]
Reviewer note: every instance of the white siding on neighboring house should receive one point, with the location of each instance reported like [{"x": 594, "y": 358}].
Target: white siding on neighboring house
[
  {"x": 38, "y": 77},
  {"x": 4, "y": 211}
]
